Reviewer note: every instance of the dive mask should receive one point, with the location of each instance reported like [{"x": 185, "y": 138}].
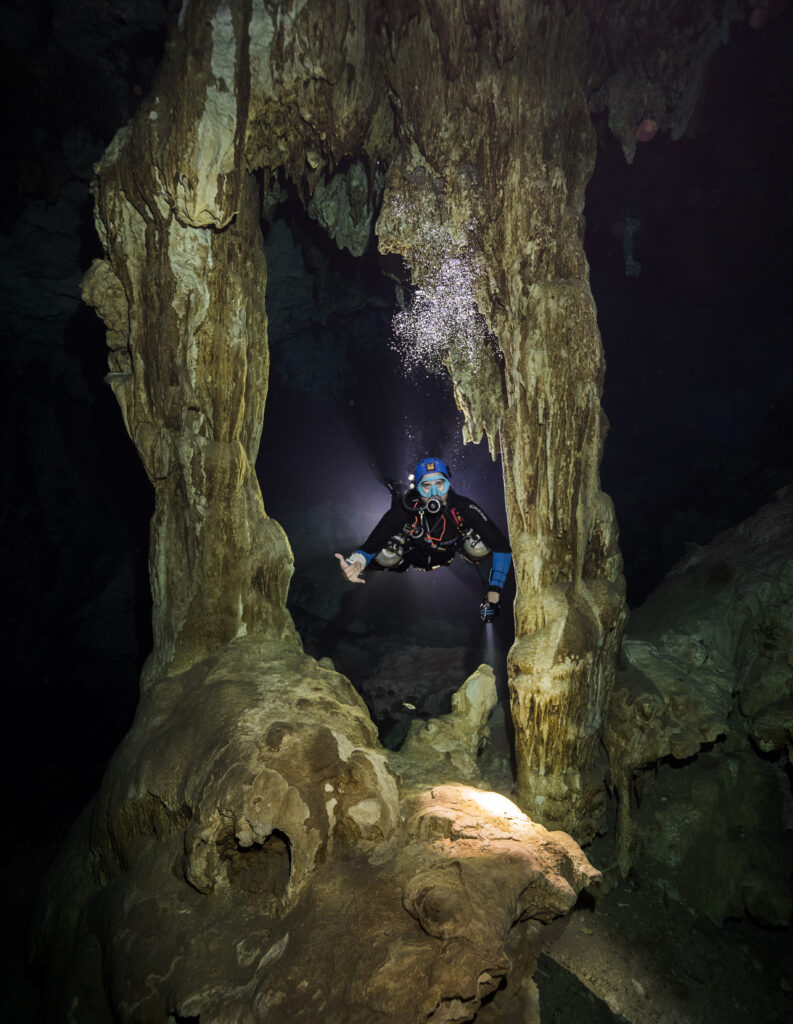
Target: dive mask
[{"x": 433, "y": 485}]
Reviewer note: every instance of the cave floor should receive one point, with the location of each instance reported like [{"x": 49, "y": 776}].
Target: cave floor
[
  {"x": 629, "y": 954},
  {"x": 634, "y": 954}
]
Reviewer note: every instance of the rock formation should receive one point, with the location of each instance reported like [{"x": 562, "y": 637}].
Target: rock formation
[
  {"x": 249, "y": 858},
  {"x": 475, "y": 126},
  {"x": 250, "y": 793},
  {"x": 451, "y": 745},
  {"x": 706, "y": 692}
]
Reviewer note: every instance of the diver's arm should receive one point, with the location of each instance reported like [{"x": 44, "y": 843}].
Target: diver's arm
[
  {"x": 498, "y": 573},
  {"x": 391, "y": 523},
  {"x": 352, "y": 567},
  {"x": 481, "y": 523}
]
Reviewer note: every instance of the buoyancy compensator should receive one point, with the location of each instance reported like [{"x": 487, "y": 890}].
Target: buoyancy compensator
[{"x": 392, "y": 555}]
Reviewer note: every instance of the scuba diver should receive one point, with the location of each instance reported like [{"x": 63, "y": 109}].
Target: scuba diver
[{"x": 425, "y": 527}]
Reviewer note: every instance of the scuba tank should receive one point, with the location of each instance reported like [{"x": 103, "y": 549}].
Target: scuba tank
[
  {"x": 392, "y": 554},
  {"x": 474, "y": 548}
]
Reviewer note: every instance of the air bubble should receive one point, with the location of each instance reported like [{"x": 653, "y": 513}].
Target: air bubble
[{"x": 440, "y": 323}]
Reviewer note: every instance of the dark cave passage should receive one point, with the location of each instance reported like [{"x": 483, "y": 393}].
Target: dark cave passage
[
  {"x": 699, "y": 362},
  {"x": 343, "y": 414}
]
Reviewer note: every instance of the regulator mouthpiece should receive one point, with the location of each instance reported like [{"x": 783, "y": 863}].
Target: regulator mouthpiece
[{"x": 433, "y": 506}]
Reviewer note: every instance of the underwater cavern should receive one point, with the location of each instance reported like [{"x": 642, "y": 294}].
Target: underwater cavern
[{"x": 259, "y": 259}]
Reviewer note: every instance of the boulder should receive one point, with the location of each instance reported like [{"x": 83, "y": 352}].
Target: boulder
[
  {"x": 249, "y": 857},
  {"x": 453, "y": 742},
  {"x": 706, "y": 691}
]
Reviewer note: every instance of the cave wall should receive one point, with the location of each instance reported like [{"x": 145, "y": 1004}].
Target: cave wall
[{"x": 699, "y": 729}]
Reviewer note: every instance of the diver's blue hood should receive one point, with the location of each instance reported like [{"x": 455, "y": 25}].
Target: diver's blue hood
[{"x": 431, "y": 465}]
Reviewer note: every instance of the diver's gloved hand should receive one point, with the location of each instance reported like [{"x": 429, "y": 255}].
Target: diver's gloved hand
[
  {"x": 351, "y": 568},
  {"x": 489, "y": 610}
]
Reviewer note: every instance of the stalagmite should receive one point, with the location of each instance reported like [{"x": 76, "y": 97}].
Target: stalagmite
[{"x": 505, "y": 192}]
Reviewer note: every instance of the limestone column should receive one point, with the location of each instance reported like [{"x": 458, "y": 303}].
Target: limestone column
[
  {"x": 182, "y": 291},
  {"x": 497, "y": 150}
]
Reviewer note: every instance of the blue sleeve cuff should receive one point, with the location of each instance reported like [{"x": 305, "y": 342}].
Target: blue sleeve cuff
[
  {"x": 498, "y": 573},
  {"x": 365, "y": 554}
]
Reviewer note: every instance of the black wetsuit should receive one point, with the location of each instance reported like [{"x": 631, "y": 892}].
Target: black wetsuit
[{"x": 432, "y": 540}]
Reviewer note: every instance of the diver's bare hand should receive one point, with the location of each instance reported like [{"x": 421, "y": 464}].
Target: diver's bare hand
[{"x": 350, "y": 570}]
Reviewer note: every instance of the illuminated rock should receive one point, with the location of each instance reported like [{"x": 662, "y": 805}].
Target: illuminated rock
[
  {"x": 248, "y": 859},
  {"x": 344, "y": 206},
  {"x": 188, "y": 365}
]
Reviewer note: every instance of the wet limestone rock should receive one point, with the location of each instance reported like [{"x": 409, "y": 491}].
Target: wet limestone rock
[
  {"x": 712, "y": 834},
  {"x": 706, "y": 687},
  {"x": 345, "y": 204},
  {"x": 249, "y": 857},
  {"x": 494, "y": 179},
  {"x": 188, "y": 364},
  {"x": 659, "y": 82},
  {"x": 452, "y": 743}
]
